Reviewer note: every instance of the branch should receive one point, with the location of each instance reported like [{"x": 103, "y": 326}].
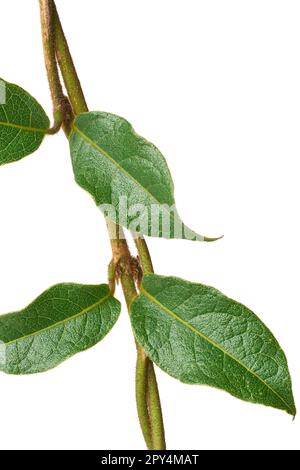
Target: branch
[{"x": 48, "y": 35}]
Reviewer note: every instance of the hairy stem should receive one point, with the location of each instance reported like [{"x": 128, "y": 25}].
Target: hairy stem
[
  {"x": 148, "y": 401},
  {"x": 67, "y": 67},
  {"x": 144, "y": 254},
  {"x": 48, "y": 34},
  {"x": 142, "y": 397},
  {"x": 122, "y": 260},
  {"x": 147, "y": 394},
  {"x": 154, "y": 405},
  {"x": 155, "y": 411}
]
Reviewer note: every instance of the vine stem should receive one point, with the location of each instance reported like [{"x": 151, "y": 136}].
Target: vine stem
[
  {"x": 147, "y": 394},
  {"x": 67, "y": 67},
  {"x": 60, "y": 105},
  {"x": 144, "y": 254},
  {"x": 56, "y": 50},
  {"x": 154, "y": 406}
]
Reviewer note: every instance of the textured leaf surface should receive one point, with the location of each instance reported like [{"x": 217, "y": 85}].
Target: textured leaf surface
[
  {"x": 199, "y": 336},
  {"x": 118, "y": 167},
  {"x": 64, "y": 320},
  {"x": 23, "y": 123}
]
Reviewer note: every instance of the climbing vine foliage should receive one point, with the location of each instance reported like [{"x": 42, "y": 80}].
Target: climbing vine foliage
[{"x": 191, "y": 331}]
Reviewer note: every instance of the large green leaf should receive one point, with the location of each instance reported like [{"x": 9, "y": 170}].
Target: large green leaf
[
  {"x": 127, "y": 176},
  {"x": 199, "y": 336},
  {"x": 64, "y": 320},
  {"x": 23, "y": 123}
]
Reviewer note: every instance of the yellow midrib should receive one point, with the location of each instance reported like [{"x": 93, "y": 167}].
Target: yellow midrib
[
  {"x": 114, "y": 162},
  {"x": 61, "y": 322},
  {"x": 212, "y": 343},
  {"x": 23, "y": 128}
]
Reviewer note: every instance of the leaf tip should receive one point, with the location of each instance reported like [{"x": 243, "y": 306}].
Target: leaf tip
[
  {"x": 212, "y": 239},
  {"x": 293, "y": 412}
]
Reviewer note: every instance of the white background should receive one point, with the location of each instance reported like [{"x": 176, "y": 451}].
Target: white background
[{"x": 215, "y": 85}]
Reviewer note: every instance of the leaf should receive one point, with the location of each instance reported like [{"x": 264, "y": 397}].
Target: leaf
[
  {"x": 127, "y": 176},
  {"x": 64, "y": 320},
  {"x": 23, "y": 123},
  {"x": 199, "y": 336}
]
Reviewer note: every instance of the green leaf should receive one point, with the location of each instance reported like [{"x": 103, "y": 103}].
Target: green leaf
[
  {"x": 64, "y": 320},
  {"x": 199, "y": 336},
  {"x": 127, "y": 176},
  {"x": 23, "y": 123}
]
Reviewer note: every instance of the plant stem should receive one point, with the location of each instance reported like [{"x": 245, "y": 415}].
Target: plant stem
[
  {"x": 144, "y": 254},
  {"x": 142, "y": 396},
  {"x": 154, "y": 406},
  {"x": 148, "y": 401},
  {"x": 155, "y": 411},
  {"x": 48, "y": 35},
  {"x": 147, "y": 395},
  {"x": 122, "y": 260},
  {"x": 67, "y": 67}
]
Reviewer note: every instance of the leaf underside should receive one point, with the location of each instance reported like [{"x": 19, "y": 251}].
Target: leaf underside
[
  {"x": 64, "y": 320},
  {"x": 199, "y": 336},
  {"x": 23, "y": 123},
  {"x": 123, "y": 170}
]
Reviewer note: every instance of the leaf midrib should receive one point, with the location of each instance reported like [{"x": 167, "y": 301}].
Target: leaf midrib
[
  {"x": 65, "y": 320},
  {"x": 212, "y": 343},
  {"x": 23, "y": 128},
  {"x": 114, "y": 162}
]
